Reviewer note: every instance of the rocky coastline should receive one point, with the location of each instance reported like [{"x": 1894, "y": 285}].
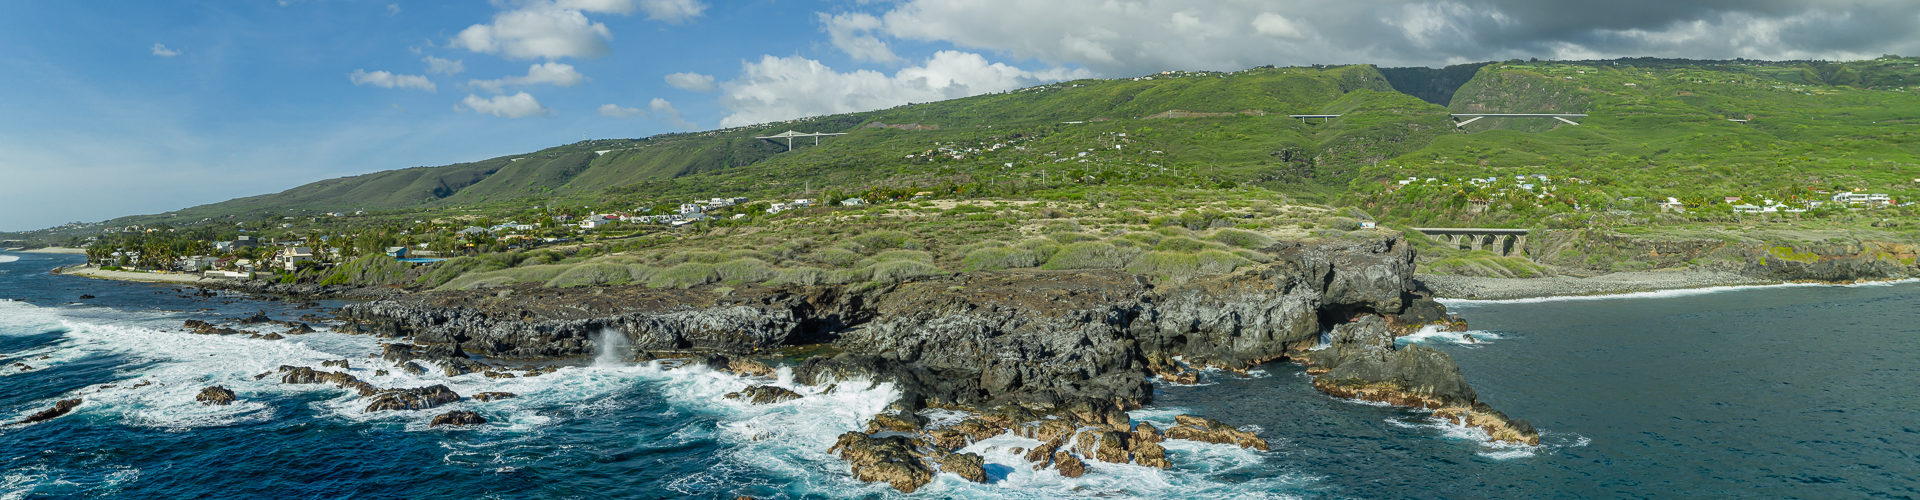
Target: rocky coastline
[{"x": 1055, "y": 356}]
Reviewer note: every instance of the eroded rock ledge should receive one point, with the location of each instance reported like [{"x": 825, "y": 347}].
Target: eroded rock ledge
[{"x": 1043, "y": 342}]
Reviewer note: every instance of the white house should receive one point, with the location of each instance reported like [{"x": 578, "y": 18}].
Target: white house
[
  {"x": 1863, "y": 199},
  {"x": 594, "y": 221},
  {"x": 291, "y": 257}
]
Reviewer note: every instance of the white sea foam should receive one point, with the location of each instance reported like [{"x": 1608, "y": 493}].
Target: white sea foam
[
  {"x": 1550, "y": 442},
  {"x": 1664, "y": 294},
  {"x": 1432, "y": 334}
]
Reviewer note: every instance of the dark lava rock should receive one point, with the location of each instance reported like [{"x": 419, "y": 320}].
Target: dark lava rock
[
  {"x": 1362, "y": 362},
  {"x": 341, "y": 363},
  {"x": 490, "y": 396},
  {"x": 420, "y": 398},
  {"x": 457, "y": 418},
  {"x": 205, "y": 328},
  {"x": 894, "y": 460},
  {"x": 305, "y": 375},
  {"x": 379, "y": 373},
  {"x": 397, "y": 353},
  {"x": 58, "y": 409},
  {"x": 272, "y": 336},
  {"x": 454, "y": 367},
  {"x": 764, "y": 394},
  {"x": 300, "y": 329},
  {"x": 1208, "y": 430},
  {"x": 966, "y": 465},
  {"x": 85, "y": 296},
  {"x": 413, "y": 368},
  {"x": 215, "y": 395},
  {"x": 258, "y": 317},
  {"x": 1069, "y": 465}
]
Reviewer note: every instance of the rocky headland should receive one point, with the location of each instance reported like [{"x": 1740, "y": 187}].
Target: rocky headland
[{"x": 1055, "y": 356}]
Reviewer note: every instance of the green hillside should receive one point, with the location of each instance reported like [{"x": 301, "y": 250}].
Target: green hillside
[{"x": 1657, "y": 128}]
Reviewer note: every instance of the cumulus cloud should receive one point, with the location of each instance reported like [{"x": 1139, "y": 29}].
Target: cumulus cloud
[
  {"x": 551, "y": 73},
  {"x": 850, "y": 33},
  {"x": 691, "y": 81},
  {"x": 1145, "y": 36},
  {"x": 618, "y": 111},
  {"x": 519, "y": 105},
  {"x": 541, "y": 30},
  {"x": 160, "y": 49},
  {"x": 673, "y": 11},
  {"x": 393, "y": 9},
  {"x": 780, "y": 88},
  {"x": 440, "y": 66},
  {"x": 388, "y": 80},
  {"x": 665, "y": 110}
]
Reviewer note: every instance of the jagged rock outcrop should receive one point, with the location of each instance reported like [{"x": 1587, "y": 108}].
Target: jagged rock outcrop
[
  {"x": 894, "y": 460},
  {"x": 764, "y": 395},
  {"x": 305, "y": 375},
  {"x": 215, "y": 395},
  {"x": 205, "y": 328},
  {"x": 1362, "y": 362},
  {"x": 490, "y": 396},
  {"x": 340, "y": 363},
  {"x": 1207, "y": 430},
  {"x": 60, "y": 408},
  {"x": 419, "y": 398},
  {"x": 457, "y": 418},
  {"x": 966, "y": 465}
]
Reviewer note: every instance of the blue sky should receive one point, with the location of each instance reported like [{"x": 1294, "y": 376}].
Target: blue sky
[{"x": 110, "y": 108}]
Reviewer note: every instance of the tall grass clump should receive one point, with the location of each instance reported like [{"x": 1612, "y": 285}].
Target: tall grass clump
[
  {"x": 834, "y": 257},
  {"x": 685, "y": 275},
  {"x": 998, "y": 258},
  {"x": 803, "y": 276},
  {"x": 893, "y": 255},
  {"x": 902, "y": 270},
  {"x": 744, "y": 270},
  {"x": 1180, "y": 244},
  {"x": 1243, "y": 239},
  {"x": 886, "y": 240},
  {"x": 1087, "y": 255},
  {"x": 502, "y": 277},
  {"x": 446, "y": 271},
  {"x": 592, "y": 274}
]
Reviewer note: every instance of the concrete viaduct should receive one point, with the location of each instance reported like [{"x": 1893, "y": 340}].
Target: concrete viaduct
[{"x": 1499, "y": 241}]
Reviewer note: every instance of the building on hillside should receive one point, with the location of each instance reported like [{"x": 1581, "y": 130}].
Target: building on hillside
[
  {"x": 291, "y": 257},
  {"x": 594, "y": 221},
  {"x": 397, "y": 252},
  {"x": 473, "y": 231},
  {"x": 1863, "y": 199},
  {"x": 853, "y": 202},
  {"x": 1672, "y": 205}
]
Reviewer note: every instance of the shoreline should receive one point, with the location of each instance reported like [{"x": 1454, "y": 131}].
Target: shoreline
[
  {"x": 1611, "y": 285},
  {"x": 143, "y": 277}
]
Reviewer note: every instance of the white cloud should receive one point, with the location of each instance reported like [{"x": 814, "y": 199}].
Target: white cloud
[
  {"x": 519, "y": 105},
  {"x": 537, "y": 31},
  {"x": 440, "y": 66},
  {"x": 618, "y": 111},
  {"x": 551, "y": 73},
  {"x": 393, "y": 9},
  {"x": 1278, "y": 26},
  {"x": 691, "y": 81},
  {"x": 161, "y": 50},
  {"x": 664, "y": 109},
  {"x": 850, "y": 33},
  {"x": 673, "y": 11},
  {"x": 388, "y": 80},
  {"x": 780, "y": 88}
]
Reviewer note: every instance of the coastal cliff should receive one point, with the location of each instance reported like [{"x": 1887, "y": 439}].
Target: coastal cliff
[{"x": 1078, "y": 344}]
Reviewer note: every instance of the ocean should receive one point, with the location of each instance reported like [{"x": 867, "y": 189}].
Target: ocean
[{"x": 1800, "y": 391}]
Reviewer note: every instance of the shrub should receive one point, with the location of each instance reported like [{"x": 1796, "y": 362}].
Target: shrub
[
  {"x": 997, "y": 258},
  {"x": 1042, "y": 249},
  {"x": 744, "y": 270},
  {"x": 700, "y": 256},
  {"x": 1066, "y": 238},
  {"x": 501, "y": 277},
  {"x": 1087, "y": 255},
  {"x": 1243, "y": 239},
  {"x": 447, "y": 270},
  {"x": 1339, "y": 223},
  {"x": 902, "y": 270},
  {"x": 686, "y": 275},
  {"x": 598, "y": 273}
]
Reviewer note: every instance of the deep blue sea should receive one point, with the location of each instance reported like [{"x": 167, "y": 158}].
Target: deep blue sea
[{"x": 1800, "y": 391}]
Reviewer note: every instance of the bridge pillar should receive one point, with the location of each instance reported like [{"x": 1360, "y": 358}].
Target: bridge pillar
[{"x": 1520, "y": 244}]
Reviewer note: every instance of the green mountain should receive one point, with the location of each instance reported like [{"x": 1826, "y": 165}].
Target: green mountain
[{"x": 1655, "y": 128}]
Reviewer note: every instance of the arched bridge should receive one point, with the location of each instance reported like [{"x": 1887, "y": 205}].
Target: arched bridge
[{"x": 1496, "y": 240}]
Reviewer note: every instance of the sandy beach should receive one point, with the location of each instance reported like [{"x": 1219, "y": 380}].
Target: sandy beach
[
  {"x": 94, "y": 272},
  {"x": 1464, "y": 287},
  {"x": 58, "y": 250}
]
